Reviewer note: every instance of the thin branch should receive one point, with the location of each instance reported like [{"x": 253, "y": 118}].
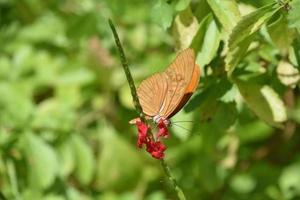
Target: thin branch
[
  {"x": 124, "y": 62},
  {"x": 138, "y": 108},
  {"x": 176, "y": 187}
]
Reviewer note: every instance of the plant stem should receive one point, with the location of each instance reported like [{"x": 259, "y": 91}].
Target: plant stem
[
  {"x": 124, "y": 62},
  {"x": 176, "y": 187},
  {"x": 138, "y": 108}
]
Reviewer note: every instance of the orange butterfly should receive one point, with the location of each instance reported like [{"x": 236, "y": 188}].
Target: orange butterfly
[{"x": 163, "y": 94}]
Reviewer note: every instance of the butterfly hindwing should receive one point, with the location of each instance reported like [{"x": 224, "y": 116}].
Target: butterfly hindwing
[
  {"x": 179, "y": 76},
  {"x": 151, "y": 93}
]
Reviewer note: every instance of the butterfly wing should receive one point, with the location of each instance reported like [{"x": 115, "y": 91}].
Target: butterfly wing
[
  {"x": 151, "y": 93},
  {"x": 182, "y": 79}
]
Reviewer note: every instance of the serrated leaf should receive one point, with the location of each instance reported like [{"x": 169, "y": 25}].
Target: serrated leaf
[
  {"x": 263, "y": 101},
  {"x": 241, "y": 35},
  {"x": 226, "y": 11},
  {"x": 84, "y": 168},
  {"x": 281, "y": 34},
  {"x": 42, "y": 161},
  {"x": 163, "y": 13}
]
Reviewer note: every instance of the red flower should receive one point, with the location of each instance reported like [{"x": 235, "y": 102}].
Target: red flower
[
  {"x": 142, "y": 133},
  {"x": 154, "y": 147},
  {"x": 163, "y": 130}
]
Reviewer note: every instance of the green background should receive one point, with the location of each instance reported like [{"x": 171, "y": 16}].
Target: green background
[{"x": 65, "y": 102}]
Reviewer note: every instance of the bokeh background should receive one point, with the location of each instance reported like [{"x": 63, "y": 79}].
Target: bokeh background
[{"x": 65, "y": 105}]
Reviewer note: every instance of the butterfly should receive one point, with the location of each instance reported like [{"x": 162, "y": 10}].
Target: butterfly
[{"x": 163, "y": 94}]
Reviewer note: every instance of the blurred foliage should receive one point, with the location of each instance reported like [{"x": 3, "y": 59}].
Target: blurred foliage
[{"x": 65, "y": 103}]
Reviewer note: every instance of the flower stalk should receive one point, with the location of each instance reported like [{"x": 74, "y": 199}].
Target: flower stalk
[{"x": 138, "y": 108}]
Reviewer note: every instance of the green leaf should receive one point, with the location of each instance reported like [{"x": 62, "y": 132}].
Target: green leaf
[
  {"x": 117, "y": 161},
  {"x": 66, "y": 157},
  {"x": 163, "y": 14},
  {"x": 75, "y": 77},
  {"x": 42, "y": 161},
  {"x": 206, "y": 41},
  {"x": 243, "y": 183},
  {"x": 294, "y": 15},
  {"x": 84, "y": 159},
  {"x": 287, "y": 74},
  {"x": 263, "y": 101},
  {"x": 16, "y": 105},
  {"x": 31, "y": 193},
  {"x": 289, "y": 181},
  {"x": 241, "y": 35},
  {"x": 74, "y": 194},
  {"x": 295, "y": 55},
  {"x": 125, "y": 96},
  {"x": 54, "y": 114},
  {"x": 222, "y": 113},
  {"x": 182, "y": 4},
  {"x": 202, "y": 10},
  {"x": 226, "y": 11},
  {"x": 54, "y": 33},
  {"x": 53, "y": 197},
  {"x": 253, "y": 131},
  {"x": 198, "y": 39},
  {"x": 86, "y": 21},
  {"x": 184, "y": 29},
  {"x": 281, "y": 34},
  {"x": 208, "y": 96}
]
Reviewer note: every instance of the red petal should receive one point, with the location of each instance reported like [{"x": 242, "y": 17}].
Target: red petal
[
  {"x": 142, "y": 134},
  {"x": 162, "y": 130}
]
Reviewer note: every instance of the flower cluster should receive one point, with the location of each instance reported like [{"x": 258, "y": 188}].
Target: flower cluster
[{"x": 153, "y": 145}]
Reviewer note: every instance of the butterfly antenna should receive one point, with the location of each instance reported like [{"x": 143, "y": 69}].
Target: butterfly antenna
[
  {"x": 187, "y": 130},
  {"x": 183, "y": 121}
]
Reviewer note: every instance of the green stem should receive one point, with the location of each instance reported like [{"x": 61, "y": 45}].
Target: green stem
[
  {"x": 124, "y": 62},
  {"x": 138, "y": 108},
  {"x": 176, "y": 187}
]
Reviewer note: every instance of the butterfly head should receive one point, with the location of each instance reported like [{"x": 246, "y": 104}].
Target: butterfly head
[{"x": 157, "y": 119}]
